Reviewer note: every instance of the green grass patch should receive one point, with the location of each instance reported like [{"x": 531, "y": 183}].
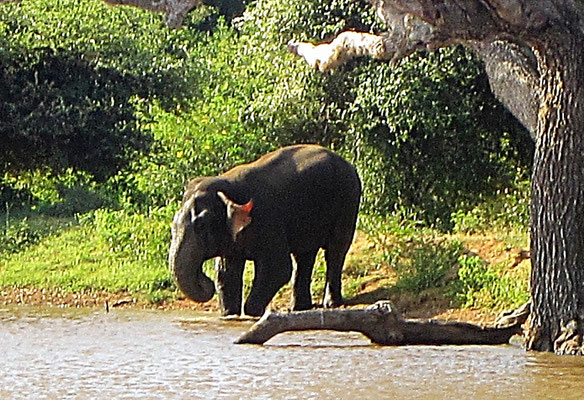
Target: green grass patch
[
  {"x": 427, "y": 262},
  {"x": 481, "y": 285},
  {"x": 108, "y": 251},
  {"x": 118, "y": 251}
]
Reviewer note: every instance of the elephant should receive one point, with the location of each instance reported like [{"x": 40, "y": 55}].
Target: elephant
[{"x": 292, "y": 201}]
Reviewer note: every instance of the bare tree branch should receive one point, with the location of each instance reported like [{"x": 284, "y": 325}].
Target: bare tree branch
[
  {"x": 412, "y": 34},
  {"x": 344, "y": 47},
  {"x": 485, "y": 26},
  {"x": 381, "y": 323}
]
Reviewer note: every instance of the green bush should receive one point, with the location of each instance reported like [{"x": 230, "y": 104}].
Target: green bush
[
  {"x": 427, "y": 265},
  {"x": 431, "y": 140},
  {"x": 67, "y": 113},
  {"x": 505, "y": 210},
  {"x": 15, "y": 236},
  {"x": 479, "y": 285},
  {"x": 56, "y": 194},
  {"x": 135, "y": 237},
  {"x": 70, "y": 94}
]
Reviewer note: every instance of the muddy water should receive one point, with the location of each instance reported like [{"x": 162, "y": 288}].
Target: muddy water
[{"x": 128, "y": 354}]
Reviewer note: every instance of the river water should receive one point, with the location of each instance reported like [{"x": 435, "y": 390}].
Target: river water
[{"x": 128, "y": 354}]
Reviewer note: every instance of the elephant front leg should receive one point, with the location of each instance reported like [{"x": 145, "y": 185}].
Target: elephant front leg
[
  {"x": 230, "y": 284},
  {"x": 270, "y": 275}
]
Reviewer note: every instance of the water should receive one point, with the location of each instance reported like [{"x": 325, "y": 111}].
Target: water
[{"x": 129, "y": 354}]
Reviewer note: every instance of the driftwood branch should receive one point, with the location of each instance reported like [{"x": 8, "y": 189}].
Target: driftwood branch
[{"x": 382, "y": 324}]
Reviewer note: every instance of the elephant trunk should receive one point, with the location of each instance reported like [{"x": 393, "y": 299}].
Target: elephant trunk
[{"x": 185, "y": 261}]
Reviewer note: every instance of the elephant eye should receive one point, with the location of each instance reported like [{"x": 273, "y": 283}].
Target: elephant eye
[{"x": 200, "y": 219}]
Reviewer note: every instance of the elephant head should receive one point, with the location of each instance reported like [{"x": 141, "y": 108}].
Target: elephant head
[{"x": 206, "y": 226}]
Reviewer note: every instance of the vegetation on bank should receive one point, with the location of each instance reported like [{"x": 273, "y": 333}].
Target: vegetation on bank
[{"x": 106, "y": 113}]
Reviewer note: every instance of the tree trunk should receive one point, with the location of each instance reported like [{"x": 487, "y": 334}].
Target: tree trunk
[
  {"x": 383, "y": 324},
  {"x": 557, "y": 278}
]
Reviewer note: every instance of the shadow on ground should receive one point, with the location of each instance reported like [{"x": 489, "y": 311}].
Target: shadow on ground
[{"x": 430, "y": 303}]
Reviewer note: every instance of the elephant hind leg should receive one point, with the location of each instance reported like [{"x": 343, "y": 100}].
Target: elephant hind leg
[
  {"x": 335, "y": 254},
  {"x": 301, "y": 296},
  {"x": 335, "y": 258}
]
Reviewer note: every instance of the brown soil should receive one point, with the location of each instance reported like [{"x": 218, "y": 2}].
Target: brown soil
[
  {"x": 429, "y": 305},
  {"x": 418, "y": 308},
  {"x": 58, "y": 298}
]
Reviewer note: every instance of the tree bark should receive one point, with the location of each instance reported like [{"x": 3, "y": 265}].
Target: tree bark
[
  {"x": 382, "y": 324},
  {"x": 557, "y": 278}
]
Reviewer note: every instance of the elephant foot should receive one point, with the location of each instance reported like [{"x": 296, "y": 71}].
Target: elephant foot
[
  {"x": 304, "y": 306},
  {"x": 253, "y": 310},
  {"x": 330, "y": 303},
  {"x": 229, "y": 314}
]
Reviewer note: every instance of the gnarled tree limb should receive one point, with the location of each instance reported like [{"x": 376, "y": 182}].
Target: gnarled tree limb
[
  {"x": 411, "y": 35},
  {"x": 344, "y": 47},
  {"x": 485, "y": 26},
  {"x": 382, "y": 324},
  {"x": 513, "y": 77}
]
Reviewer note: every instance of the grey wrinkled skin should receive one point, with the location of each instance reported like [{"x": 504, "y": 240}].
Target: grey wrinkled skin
[
  {"x": 189, "y": 277},
  {"x": 292, "y": 201}
]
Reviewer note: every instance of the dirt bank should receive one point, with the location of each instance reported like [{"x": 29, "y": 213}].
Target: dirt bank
[{"x": 413, "y": 308}]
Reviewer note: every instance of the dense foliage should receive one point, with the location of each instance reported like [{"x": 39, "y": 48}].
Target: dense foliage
[
  {"x": 104, "y": 108},
  {"x": 119, "y": 96}
]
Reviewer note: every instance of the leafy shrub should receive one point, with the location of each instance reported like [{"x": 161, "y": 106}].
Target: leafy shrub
[
  {"x": 63, "y": 194},
  {"x": 70, "y": 113},
  {"x": 507, "y": 209},
  {"x": 136, "y": 237},
  {"x": 186, "y": 146},
  {"x": 479, "y": 285},
  {"x": 70, "y": 94},
  {"x": 427, "y": 265},
  {"x": 15, "y": 236},
  {"x": 429, "y": 139}
]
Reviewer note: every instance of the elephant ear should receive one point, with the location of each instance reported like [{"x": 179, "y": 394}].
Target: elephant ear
[{"x": 238, "y": 215}]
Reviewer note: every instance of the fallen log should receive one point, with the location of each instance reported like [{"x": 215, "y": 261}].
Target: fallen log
[{"x": 382, "y": 324}]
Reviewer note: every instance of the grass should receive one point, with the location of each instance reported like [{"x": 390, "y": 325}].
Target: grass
[
  {"x": 79, "y": 258},
  {"x": 121, "y": 252}
]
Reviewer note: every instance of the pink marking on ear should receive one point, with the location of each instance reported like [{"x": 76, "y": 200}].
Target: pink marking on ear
[{"x": 247, "y": 207}]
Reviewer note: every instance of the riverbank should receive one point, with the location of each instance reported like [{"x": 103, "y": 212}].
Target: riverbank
[
  {"x": 365, "y": 281},
  {"x": 414, "y": 308},
  {"x": 398, "y": 268}
]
